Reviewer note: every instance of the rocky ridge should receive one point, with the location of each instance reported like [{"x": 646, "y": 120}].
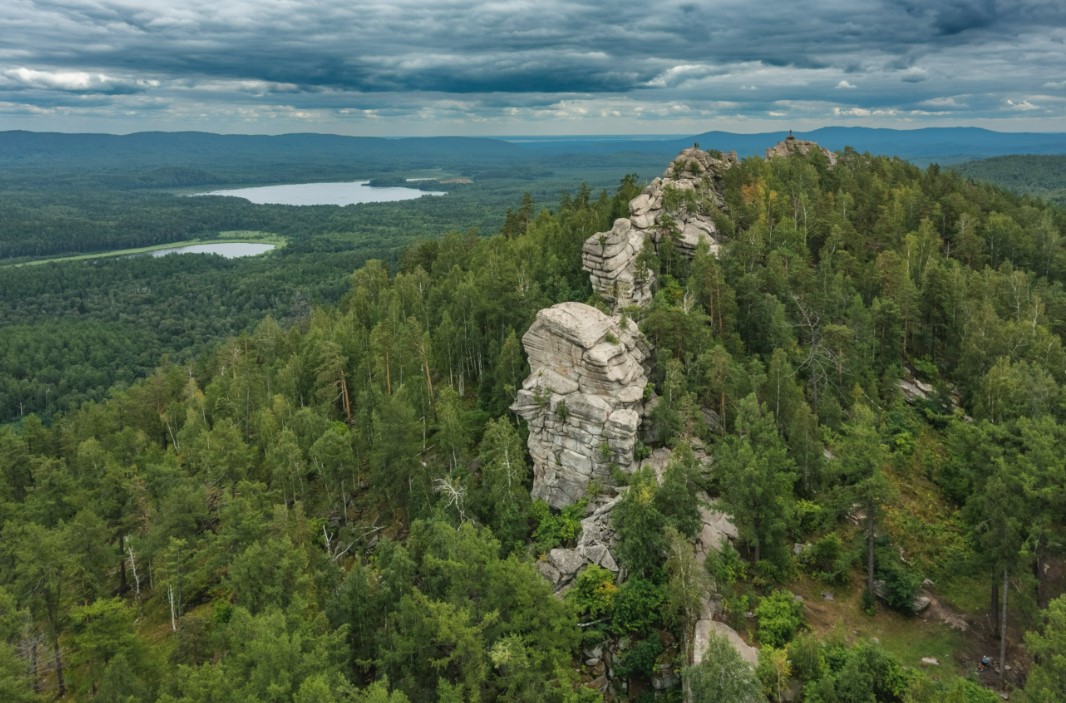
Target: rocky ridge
[
  {"x": 585, "y": 398},
  {"x": 679, "y": 206}
]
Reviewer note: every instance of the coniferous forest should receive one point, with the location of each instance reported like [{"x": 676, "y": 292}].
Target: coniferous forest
[{"x": 298, "y": 479}]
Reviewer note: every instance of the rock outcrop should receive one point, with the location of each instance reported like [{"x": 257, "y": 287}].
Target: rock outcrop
[
  {"x": 582, "y": 400},
  {"x": 790, "y": 145},
  {"x": 678, "y": 207}
]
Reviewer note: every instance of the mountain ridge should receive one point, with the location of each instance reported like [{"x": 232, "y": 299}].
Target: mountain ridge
[{"x": 923, "y": 145}]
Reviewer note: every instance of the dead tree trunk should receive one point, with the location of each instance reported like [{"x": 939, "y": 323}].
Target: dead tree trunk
[{"x": 62, "y": 686}]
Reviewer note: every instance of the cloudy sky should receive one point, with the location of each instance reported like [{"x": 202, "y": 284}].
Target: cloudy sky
[{"x": 438, "y": 67}]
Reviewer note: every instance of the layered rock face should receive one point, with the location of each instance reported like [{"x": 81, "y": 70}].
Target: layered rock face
[
  {"x": 583, "y": 399},
  {"x": 677, "y": 206}
]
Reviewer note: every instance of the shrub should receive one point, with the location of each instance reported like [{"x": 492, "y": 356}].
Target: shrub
[
  {"x": 828, "y": 560},
  {"x": 723, "y": 676},
  {"x": 593, "y": 592},
  {"x": 640, "y": 659},
  {"x": 726, "y": 566},
  {"x": 901, "y": 583},
  {"x": 806, "y": 658},
  {"x": 636, "y": 606},
  {"x": 779, "y": 617},
  {"x": 556, "y": 529}
]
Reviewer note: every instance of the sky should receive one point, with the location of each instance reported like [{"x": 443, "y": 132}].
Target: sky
[{"x": 520, "y": 67}]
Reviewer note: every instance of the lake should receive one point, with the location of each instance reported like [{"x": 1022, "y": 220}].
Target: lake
[
  {"x": 230, "y": 250},
  {"x": 350, "y": 193}
]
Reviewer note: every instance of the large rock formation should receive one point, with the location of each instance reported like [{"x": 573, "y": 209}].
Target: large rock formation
[
  {"x": 583, "y": 399},
  {"x": 790, "y": 145},
  {"x": 677, "y": 207}
]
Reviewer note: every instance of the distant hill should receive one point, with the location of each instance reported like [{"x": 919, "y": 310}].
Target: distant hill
[
  {"x": 165, "y": 159},
  {"x": 945, "y": 145},
  {"x": 201, "y": 150},
  {"x": 1041, "y": 175}
]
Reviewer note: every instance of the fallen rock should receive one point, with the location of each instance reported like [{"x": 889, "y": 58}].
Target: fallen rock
[
  {"x": 561, "y": 566},
  {"x": 930, "y": 661},
  {"x": 920, "y": 603}
]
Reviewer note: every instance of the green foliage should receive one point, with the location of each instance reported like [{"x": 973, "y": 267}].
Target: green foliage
[
  {"x": 1047, "y": 677},
  {"x": 779, "y": 617},
  {"x": 725, "y": 566},
  {"x": 108, "y": 653},
  {"x": 639, "y": 524},
  {"x": 501, "y": 494},
  {"x": 861, "y": 673},
  {"x": 593, "y": 592},
  {"x": 953, "y": 690},
  {"x": 16, "y": 685},
  {"x": 774, "y": 672},
  {"x": 284, "y": 488},
  {"x": 805, "y": 657},
  {"x": 641, "y": 659},
  {"x": 827, "y": 559},
  {"x": 901, "y": 583},
  {"x": 636, "y": 607},
  {"x": 556, "y": 529},
  {"x": 757, "y": 477}
]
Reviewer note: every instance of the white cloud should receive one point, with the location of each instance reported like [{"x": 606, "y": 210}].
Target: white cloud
[
  {"x": 74, "y": 81},
  {"x": 679, "y": 74},
  {"x": 914, "y": 74},
  {"x": 1022, "y": 105},
  {"x": 845, "y": 85},
  {"x": 942, "y": 102},
  {"x": 864, "y": 112}
]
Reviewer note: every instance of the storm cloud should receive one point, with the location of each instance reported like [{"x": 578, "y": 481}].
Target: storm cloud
[{"x": 551, "y": 66}]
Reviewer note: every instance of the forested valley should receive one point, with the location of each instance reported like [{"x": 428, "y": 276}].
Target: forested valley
[
  {"x": 333, "y": 502},
  {"x": 135, "y": 310}
]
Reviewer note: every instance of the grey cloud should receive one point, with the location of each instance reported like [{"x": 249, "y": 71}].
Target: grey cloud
[{"x": 491, "y": 57}]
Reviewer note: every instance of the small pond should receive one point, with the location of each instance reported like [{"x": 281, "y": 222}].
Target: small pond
[{"x": 230, "y": 250}]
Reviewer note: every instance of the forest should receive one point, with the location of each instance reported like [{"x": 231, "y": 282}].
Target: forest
[
  {"x": 1040, "y": 175},
  {"x": 332, "y": 503}
]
